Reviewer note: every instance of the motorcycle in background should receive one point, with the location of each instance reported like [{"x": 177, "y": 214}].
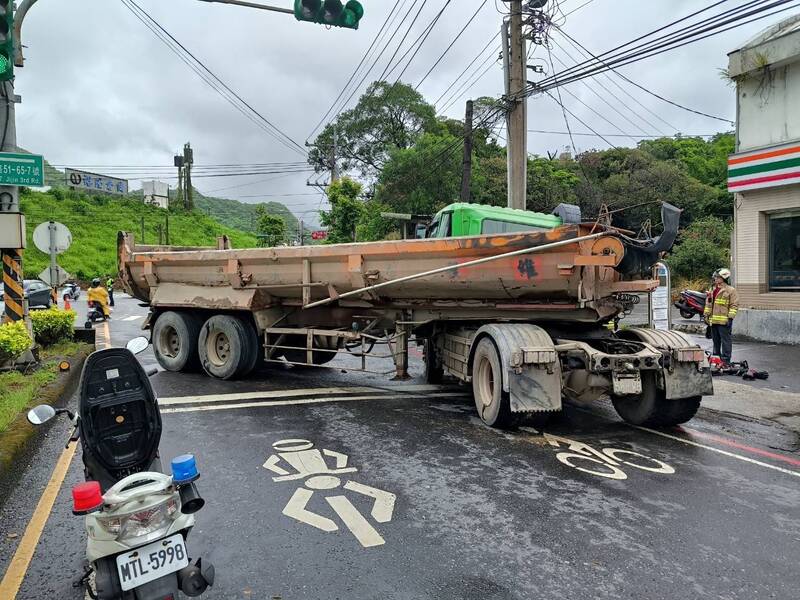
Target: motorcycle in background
[
  {"x": 71, "y": 292},
  {"x": 691, "y": 303},
  {"x": 137, "y": 517}
]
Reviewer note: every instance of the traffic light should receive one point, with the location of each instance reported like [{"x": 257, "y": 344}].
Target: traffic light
[
  {"x": 6, "y": 40},
  {"x": 329, "y": 12}
]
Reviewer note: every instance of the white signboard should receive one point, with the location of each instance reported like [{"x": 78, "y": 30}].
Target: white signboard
[
  {"x": 156, "y": 193},
  {"x": 62, "y": 238},
  {"x": 661, "y": 299},
  {"x": 93, "y": 181}
]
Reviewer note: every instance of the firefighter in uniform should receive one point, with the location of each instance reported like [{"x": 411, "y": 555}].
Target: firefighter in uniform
[{"x": 722, "y": 305}]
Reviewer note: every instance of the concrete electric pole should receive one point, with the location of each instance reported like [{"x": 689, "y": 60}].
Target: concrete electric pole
[
  {"x": 466, "y": 174},
  {"x": 9, "y": 204},
  {"x": 188, "y": 161},
  {"x": 514, "y": 54}
]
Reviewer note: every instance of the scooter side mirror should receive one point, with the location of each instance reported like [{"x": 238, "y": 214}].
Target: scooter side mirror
[
  {"x": 41, "y": 414},
  {"x": 138, "y": 345}
]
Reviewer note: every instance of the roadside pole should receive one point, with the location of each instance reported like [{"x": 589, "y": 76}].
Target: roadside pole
[
  {"x": 334, "y": 168},
  {"x": 15, "y": 309},
  {"x": 514, "y": 61},
  {"x": 51, "y": 226},
  {"x": 466, "y": 174},
  {"x": 188, "y": 161}
]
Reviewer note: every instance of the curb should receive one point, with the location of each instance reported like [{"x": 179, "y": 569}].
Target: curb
[{"x": 20, "y": 435}]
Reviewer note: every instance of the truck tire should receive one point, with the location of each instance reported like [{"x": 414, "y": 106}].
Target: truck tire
[
  {"x": 652, "y": 409},
  {"x": 319, "y": 358},
  {"x": 433, "y": 369},
  {"x": 175, "y": 341},
  {"x": 225, "y": 346},
  {"x": 491, "y": 401},
  {"x": 255, "y": 352}
]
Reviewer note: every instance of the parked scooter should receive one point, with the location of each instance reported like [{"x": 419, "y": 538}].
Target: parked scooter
[
  {"x": 137, "y": 517},
  {"x": 691, "y": 303},
  {"x": 71, "y": 292}
]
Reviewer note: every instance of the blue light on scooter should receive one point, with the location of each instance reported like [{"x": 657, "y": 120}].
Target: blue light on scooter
[{"x": 184, "y": 469}]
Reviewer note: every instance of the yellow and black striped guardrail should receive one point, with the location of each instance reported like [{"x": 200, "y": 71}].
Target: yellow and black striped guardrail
[{"x": 12, "y": 284}]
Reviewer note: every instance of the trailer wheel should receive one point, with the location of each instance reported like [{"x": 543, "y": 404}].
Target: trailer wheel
[
  {"x": 225, "y": 347},
  {"x": 255, "y": 352},
  {"x": 494, "y": 407},
  {"x": 175, "y": 341},
  {"x": 686, "y": 314},
  {"x": 652, "y": 409}
]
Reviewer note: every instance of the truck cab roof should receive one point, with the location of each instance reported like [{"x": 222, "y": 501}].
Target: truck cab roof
[{"x": 461, "y": 218}]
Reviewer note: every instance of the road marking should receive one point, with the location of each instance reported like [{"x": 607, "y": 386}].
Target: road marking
[
  {"x": 300, "y": 401},
  {"x": 133, "y": 318},
  {"x": 733, "y": 444},
  {"x": 12, "y": 580},
  {"x": 309, "y": 462},
  {"x": 264, "y": 395},
  {"x": 719, "y": 451},
  {"x": 105, "y": 337}
]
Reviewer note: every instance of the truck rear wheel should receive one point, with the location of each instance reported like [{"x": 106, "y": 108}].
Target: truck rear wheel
[
  {"x": 652, "y": 409},
  {"x": 225, "y": 347},
  {"x": 175, "y": 341},
  {"x": 433, "y": 369},
  {"x": 493, "y": 404}
]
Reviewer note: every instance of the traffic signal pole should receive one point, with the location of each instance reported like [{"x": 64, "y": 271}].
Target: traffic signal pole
[
  {"x": 514, "y": 61},
  {"x": 253, "y": 5}
]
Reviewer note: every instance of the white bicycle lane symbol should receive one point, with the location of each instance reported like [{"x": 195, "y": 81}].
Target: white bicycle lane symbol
[
  {"x": 296, "y": 460},
  {"x": 607, "y": 462}
]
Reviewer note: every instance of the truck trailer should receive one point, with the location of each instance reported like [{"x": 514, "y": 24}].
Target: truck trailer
[{"x": 527, "y": 318}]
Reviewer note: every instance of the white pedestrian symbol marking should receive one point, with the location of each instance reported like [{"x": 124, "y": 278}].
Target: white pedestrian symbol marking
[{"x": 296, "y": 460}]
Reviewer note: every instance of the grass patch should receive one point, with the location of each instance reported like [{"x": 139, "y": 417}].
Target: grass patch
[{"x": 19, "y": 391}]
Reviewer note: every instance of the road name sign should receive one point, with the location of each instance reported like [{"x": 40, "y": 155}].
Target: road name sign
[
  {"x": 21, "y": 169},
  {"x": 93, "y": 181}
]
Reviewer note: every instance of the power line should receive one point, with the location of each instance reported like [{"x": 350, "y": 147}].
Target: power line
[
  {"x": 469, "y": 84},
  {"x": 656, "y": 137},
  {"x": 467, "y": 68},
  {"x": 152, "y": 24},
  {"x": 419, "y": 42},
  {"x": 450, "y": 46}
]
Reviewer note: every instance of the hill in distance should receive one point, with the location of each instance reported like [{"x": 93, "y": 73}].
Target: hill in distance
[{"x": 94, "y": 221}]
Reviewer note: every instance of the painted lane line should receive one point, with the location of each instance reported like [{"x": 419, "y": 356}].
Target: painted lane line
[
  {"x": 133, "y": 318},
  {"x": 734, "y": 444},
  {"x": 719, "y": 451},
  {"x": 15, "y": 574},
  {"x": 265, "y": 395},
  {"x": 186, "y": 409}
]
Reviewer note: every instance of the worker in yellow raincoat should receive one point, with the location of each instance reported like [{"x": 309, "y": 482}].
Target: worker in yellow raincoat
[{"x": 98, "y": 293}]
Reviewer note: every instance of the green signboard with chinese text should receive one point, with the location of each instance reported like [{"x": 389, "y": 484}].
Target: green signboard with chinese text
[{"x": 21, "y": 169}]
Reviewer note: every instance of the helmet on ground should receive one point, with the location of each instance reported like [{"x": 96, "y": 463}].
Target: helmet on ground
[
  {"x": 95, "y": 282},
  {"x": 724, "y": 273}
]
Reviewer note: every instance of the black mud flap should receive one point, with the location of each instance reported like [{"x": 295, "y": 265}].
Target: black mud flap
[{"x": 641, "y": 255}]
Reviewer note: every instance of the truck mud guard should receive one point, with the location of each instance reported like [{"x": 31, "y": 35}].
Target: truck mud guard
[
  {"x": 531, "y": 367},
  {"x": 686, "y": 372}
]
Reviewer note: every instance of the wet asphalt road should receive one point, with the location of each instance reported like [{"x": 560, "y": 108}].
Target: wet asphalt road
[{"x": 439, "y": 506}]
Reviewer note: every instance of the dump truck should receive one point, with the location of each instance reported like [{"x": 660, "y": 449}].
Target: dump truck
[{"x": 527, "y": 318}]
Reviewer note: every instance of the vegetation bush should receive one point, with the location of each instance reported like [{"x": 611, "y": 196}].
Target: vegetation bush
[
  {"x": 702, "y": 249},
  {"x": 52, "y": 326},
  {"x": 14, "y": 340}
]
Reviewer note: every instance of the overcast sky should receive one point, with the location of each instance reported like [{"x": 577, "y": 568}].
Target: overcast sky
[{"x": 98, "y": 87}]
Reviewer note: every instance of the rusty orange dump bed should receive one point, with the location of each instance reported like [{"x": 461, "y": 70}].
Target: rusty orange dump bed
[{"x": 581, "y": 275}]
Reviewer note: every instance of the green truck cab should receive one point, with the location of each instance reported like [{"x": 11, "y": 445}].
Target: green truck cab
[{"x": 461, "y": 219}]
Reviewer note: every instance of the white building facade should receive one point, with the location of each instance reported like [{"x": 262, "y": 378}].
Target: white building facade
[{"x": 764, "y": 176}]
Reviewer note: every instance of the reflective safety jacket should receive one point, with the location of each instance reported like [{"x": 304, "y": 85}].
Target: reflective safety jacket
[{"x": 720, "y": 310}]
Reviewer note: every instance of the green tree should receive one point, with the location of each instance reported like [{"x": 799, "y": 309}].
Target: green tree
[
  {"x": 371, "y": 226},
  {"x": 271, "y": 228},
  {"x": 702, "y": 248},
  {"x": 346, "y": 211},
  {"x": 387, "y": 117}
]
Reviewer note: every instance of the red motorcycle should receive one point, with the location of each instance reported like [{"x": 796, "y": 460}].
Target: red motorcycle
[{"x": 691, "y": 303}]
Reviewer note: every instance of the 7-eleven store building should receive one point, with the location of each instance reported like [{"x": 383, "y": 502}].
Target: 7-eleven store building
[{"x": 764, "y": 175}]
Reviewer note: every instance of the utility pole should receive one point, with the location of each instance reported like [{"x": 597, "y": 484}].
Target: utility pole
[
  {"x": 188, "y": 161},
  {"x": 179, "y": 199},
  {"x": 302, "y": 233},
  {"x": 334, "y": 149},
  {"x": 516, "y": 124},
  {"x": 466, "y": 174},
  {"x": 9, "y": 203}
]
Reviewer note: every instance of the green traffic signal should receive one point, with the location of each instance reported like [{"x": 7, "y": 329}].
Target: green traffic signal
[
  {"x": 329, "y": 12},
  {"x": 6, "y": 40}
]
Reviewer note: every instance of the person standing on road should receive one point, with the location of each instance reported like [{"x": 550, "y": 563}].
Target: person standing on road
[
  {"x": 110, "y": 288},
  {"x": 722, "y": 305}
]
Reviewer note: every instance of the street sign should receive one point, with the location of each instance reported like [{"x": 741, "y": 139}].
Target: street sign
[
  {"x": 660, "y": 299},
  {"x": 94, "y": 181},
  {"x": 319, "y": 235},
  {"x": 62, "y": 238},
  {"x": 21, "y": 169},
  {"x": 61, "y": 276}
]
